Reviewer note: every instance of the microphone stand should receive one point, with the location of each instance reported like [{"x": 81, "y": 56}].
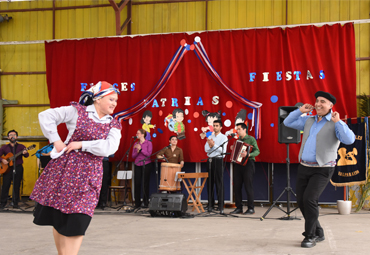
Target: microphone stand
[
  {"x": 126, "y": 167},
  {"x": 14, "y": 173},
  {"x": 39, "y": 167},
  {"x": 14, "y": 167},
  {"x": 211, "y": 177},
  {"x": 45, "y": 147},
  {"x": 142, "y": 179},
  {"x": 142, "y": 184}
]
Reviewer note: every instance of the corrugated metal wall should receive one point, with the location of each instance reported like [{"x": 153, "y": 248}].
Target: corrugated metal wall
[{"x": 146, "y": 18}]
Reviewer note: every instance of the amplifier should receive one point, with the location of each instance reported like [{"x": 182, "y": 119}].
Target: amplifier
[{"x": 164, "y": 204}]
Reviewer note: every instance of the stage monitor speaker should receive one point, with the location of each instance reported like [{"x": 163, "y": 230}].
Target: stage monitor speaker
[
  {"x": 287, "y": 135},
  {"x": 164, "y": 204}
]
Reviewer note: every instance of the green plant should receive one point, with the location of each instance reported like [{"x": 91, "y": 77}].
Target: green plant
[
  {"x": 364, "y": 105},
  {"x": 364, "y": 110}
]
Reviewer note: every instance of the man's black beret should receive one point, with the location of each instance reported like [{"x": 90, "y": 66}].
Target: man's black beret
[{"x": 326, "y": 95}]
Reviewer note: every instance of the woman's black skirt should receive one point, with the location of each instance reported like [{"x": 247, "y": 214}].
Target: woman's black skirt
[{"x": 74, "y": 224}]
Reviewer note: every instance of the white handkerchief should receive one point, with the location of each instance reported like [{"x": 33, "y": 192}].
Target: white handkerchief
[{"x": 54, "y": 154}]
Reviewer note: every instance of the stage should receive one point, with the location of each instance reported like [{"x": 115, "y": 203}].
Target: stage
[{"x": 113, "y": 232}]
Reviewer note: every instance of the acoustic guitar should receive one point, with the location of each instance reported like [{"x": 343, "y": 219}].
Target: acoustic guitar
[{"x": 4, "y": 168}]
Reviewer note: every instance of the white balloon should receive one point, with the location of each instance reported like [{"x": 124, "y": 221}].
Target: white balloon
[
  {"x": 130, "y": 121},
  {"x": 227, "y": 123},
  {"x": 195, "y": 129},
  {"x": 186, "y": 111}
]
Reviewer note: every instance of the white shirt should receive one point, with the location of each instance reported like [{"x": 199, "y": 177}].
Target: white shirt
[
  {"x": 51, "y": 118},
  {"x": 219, "y": 139}
]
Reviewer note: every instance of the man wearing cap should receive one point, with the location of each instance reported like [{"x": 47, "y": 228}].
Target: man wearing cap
[{"x": 321, "y": 138}]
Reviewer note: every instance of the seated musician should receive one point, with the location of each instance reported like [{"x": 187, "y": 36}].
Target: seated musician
[
  {"x": 43, "y": 155},
  {"x": 245, "y": 174},
  {"x": 172, "y": 153}
]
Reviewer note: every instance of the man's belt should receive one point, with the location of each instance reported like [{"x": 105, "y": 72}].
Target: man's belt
[{"x": 315, "y": 164}]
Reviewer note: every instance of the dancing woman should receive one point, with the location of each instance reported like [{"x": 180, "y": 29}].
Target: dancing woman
[{"x": 68, "y": 190}]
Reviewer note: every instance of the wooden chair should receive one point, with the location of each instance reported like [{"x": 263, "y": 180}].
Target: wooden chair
[{"x": 123, "y": 177}]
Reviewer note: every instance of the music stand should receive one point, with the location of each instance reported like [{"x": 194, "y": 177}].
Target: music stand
[
  {"x": 132, "y": 140},
  {"x": 122, "y": 175},
  {"x": 287, "y": 189}
]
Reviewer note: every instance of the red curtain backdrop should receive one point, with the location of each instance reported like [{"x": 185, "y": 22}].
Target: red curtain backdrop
[{"x": 276, "y": 67}]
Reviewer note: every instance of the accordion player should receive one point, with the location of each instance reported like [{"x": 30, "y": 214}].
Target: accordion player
[{"x": 238, "y": 148}]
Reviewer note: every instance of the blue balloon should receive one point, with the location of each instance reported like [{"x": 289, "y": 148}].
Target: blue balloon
[
  {"x": 272, "y": 125},
  {"x": 224, "y": 114},
  {"x": 160, "y": 130},
  {"x": 189, "y": 121}
]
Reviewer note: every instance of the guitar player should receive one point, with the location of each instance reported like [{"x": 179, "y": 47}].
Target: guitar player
[{"x": 13, "y": 147}]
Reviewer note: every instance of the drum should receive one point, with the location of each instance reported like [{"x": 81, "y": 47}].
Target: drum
[{"x": 168, "y": 174}]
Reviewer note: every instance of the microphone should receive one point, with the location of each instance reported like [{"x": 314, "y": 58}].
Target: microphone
[
  {"x": 169, "y": 146},
  {"x": 165, "y": 158},
  {"x": 135, "y": 137},
  {"x": 233, "y": 134}
]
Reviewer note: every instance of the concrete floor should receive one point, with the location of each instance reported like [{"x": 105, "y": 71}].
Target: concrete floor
[{"x": 117, "y": 232}]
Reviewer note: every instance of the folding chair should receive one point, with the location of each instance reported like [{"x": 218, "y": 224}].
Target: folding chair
[{"x": 126, "y": 188}]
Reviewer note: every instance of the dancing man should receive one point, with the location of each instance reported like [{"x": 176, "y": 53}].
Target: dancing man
[{"x": 322, "y": 135}]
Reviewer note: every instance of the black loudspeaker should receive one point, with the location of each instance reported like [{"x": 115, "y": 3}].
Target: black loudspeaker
[
  {"x": 287, "y": 135},
  {"x": 164, "y": 204}
]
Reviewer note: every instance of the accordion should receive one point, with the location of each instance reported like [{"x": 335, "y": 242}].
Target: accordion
[{"x": 238, "y": 149}]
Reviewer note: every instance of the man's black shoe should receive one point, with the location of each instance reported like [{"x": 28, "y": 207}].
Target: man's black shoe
[
  {"x": 16, "y": 206},
  {"x": 249, "y": 211},
  {"x": 308, "y": 242},
  {"x": 237, "y": 211},
  {"x": 319, "y": 238},
  {"x": 206, "y": 208}
]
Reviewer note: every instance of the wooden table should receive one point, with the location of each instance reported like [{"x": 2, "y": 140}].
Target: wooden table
[{"x": 193, "y": 195}]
